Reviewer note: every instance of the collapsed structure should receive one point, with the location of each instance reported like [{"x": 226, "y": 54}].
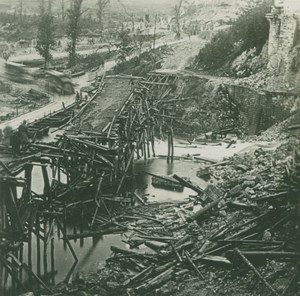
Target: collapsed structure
[{"x": 95, "y": 164}]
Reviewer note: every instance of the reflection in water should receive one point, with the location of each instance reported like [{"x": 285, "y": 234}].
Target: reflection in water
[
  {"x": 91, "y": 254},
  {"x": 55, "y": 263},
  {"x": 161, "y": 167}
]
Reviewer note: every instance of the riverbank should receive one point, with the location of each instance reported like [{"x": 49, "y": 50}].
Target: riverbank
[
  {"x": 172, "y": 248},
  {"x": 168, "y": 217}
]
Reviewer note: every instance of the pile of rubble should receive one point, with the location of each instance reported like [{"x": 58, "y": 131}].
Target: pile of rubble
[
  {"x": 279, "y": 131},
  {"x": 238, "y": 237}
]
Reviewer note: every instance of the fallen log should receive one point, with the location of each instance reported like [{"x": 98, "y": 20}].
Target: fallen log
[
  {"x": 252, "y": 242},
  {"x": 213, "y": 260},
  {"x": 137, "y": 276},
  {"x": 155, "y": 245},
  {"x": 182, "y": 240},
  {"x": 256, "y": 272},
  {"x": 125, "y": 251},
  {"x": 139, "y": 199},
  {"x": 217, "y": 235},
  {"x": 158, "y": 238},
  {"x": 156, "y": 282},
  {"x": 206, "y": 159},
  {"x": 168, "y": 179},
  {"x": 268, "y": 254},
  {"x": 188, "y": 184},
  {"x": 189, "y": 259},
  {"x": 176, "y": 252},
  {"x": 204, "y": 210},
  {"x": 161, "y": 269}
]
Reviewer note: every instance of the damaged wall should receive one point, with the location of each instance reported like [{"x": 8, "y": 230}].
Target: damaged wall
[{"x": 218, "y": 103}]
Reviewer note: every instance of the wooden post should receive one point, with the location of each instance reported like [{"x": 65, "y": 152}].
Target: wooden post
[
  {"x": 67, "y": 240},
  {"x": 27, "y": 189},
  {"x": 144, "y": 145},
  {"x": 52, "y": 256},
  {"x": 29, "y": 251},
  {"x": 153, "y": 141},
  {"x": 47, "y": 187},
  {"x": 45, "y": 261},
  {"x": 169, "y": 146},
  {"x": 38, "y": 245},
  {"x": 147, "y": 138},
  {"x": 21, "y": 260},
  {"x": 6, "y": 191}
]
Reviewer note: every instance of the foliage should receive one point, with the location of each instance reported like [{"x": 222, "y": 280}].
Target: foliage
[
  {"x": 177, "y": 15},
  {"x": 15, "y": 27},
  {"x": 5, "y": 51},
  {"x": 144, "y": 63},
  {"x": 250, "y": 30},
  {"x": 125, "y": 46},
  {"x": 92, "y": 61},
  {"x": 73, "y": 30},
  {"x": 7, "y": 132},
  {"x": 45, "y": 37}
]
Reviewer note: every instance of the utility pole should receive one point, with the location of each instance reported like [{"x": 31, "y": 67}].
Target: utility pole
[{"x": 154, "y": 33}]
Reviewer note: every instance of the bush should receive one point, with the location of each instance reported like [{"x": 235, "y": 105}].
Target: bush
[
  {"x": 250, "y": 30},
  {"x": 141, "y": 65},
  {"x": 7, "y": 132}
]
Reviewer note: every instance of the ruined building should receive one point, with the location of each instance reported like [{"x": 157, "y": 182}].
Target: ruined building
[{"x": 284, "y": 42}]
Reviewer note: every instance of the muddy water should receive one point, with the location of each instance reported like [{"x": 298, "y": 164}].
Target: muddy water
[
  {"x": 93, "y": 252},
  {"x": 158, "y": 166}
]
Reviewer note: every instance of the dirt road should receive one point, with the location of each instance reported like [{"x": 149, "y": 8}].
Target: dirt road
[{"x": 56, "y": 100}]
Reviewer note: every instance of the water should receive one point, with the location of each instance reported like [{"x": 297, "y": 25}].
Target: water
[
  {"x": 91, "y": 252},
  {"x": 158, "y": 166}
]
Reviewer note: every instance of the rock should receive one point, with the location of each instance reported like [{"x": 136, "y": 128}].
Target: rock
[
  {"x": 223, "y": 213},
  {"x": 242, "y": 167},
  {"x": 235, "y": 190},
  {"x": 27, "y": 294},
  {"x": 249, "y": 184},
  {"x": 212, "y": 193},
  {"x": 168, "y": 289},
  {"x": 130, "y": 292}
]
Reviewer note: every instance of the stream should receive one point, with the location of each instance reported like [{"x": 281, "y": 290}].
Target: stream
[{"x": 92, "y": 252}]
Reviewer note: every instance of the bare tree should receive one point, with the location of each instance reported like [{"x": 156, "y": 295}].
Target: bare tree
[
  {"x": 21, "y": 7},
  {"x": 73, "y": 30},
  {"x": 131, "y": 15},
  {"x": 63, "y": 10},
  {"x": 102, "y": 4},
  {"x": 45, "y": 37},
  {"x": 177, "y": 16}
]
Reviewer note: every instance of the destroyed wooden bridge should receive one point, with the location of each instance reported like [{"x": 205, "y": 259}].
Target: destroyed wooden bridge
[{"x": 88, "y": 166}]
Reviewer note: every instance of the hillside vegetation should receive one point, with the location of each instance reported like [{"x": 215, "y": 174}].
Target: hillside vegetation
[{"x": 249, "y": 31}]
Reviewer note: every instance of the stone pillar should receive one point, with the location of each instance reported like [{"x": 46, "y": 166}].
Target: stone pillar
[{"x": 274, "y": 37}]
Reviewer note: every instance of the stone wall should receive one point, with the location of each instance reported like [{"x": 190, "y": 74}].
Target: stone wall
[
  {"x": 259, "y": 110},
  {"x": 282, "y": 35}
]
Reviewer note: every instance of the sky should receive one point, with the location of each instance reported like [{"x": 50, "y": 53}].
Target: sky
[{"x": 141, "y": 6}]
